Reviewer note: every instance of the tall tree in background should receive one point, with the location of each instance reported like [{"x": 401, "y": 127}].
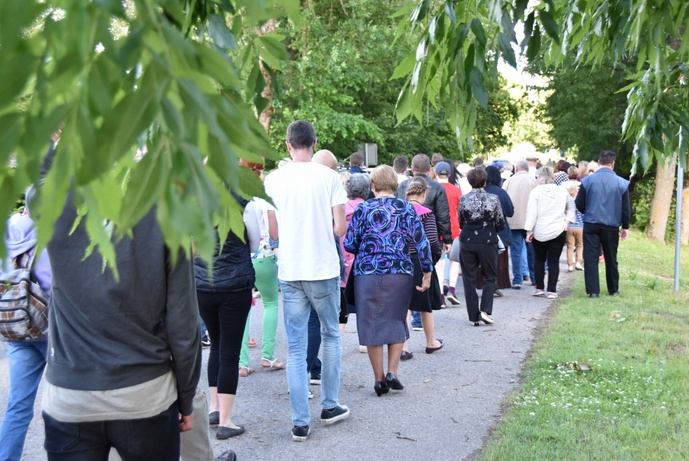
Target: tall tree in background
[{"x": 586, "y": 109}]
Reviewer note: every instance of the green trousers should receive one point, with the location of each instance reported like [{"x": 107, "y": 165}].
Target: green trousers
[{"x": 267, "y": 285}]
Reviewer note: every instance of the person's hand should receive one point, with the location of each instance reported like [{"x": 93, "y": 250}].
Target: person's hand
[
  {"x": 624, "y": 233},
  {"x": 529, "y": 237},
  {"x": 447, "y": 248},
  {"x": 186, "y": 423},
  {"x": 425, "y": 283}
]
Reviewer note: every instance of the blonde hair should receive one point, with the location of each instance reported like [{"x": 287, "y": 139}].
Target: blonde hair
[{"x": 384, "y": 179}]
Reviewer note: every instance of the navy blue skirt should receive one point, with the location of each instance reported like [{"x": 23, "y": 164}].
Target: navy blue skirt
[{"x": 382, "y": 302}]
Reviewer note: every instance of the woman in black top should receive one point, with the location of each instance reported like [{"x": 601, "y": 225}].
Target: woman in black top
[
  {"x": 480, "y": 218},
  {"x": 224, "y": 303}
]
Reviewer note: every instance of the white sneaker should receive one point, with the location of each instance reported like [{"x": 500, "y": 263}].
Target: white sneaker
[
  {"x": 363, "y": 349},
  {"x": 578, "y": 267},
  {"x": 537, "y": 292},
  {"x": 570, "y": 268},
  {"x": 551, "y": 295}
]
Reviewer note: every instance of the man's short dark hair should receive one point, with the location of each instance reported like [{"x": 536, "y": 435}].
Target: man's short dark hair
[
  {"x": 421, "y": 163},
  {"x": 477, "y": 177},
  {"x": 300, "y": 134},
  {"x": 478, "y": 161},
  {"x": 607, "y": 157},
  {"x": 356, "y": 159},
  {"x": 400, "y": 164}
]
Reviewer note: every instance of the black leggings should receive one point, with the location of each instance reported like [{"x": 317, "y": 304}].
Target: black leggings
[
  {"x": 548, "y": 251},
  {"x": 225, "y": 317}
]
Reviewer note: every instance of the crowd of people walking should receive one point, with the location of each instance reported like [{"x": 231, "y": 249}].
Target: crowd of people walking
[{"x": 123, "y": 372}]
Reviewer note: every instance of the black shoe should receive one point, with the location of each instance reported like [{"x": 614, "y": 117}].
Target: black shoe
[
  {"x": 593, "y": 295},
  {"x": 229, "y": 455},
  {"x": 214, "y": 418},
  {"x": 227, "y": 432},
  {"x": 393, "y": 383},
  {"x": 476, "y": 323},
  {"x": 335, "y": 414},
  {"x": 381, "y": 388},
  {"x": 300, "y": 433},
  {"x": 616, "y": 293},
  {"x": 406, "y": 355},
  {"x": 315, "y": 379}
]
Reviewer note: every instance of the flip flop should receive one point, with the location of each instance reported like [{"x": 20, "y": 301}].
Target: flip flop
[
  {"x": 272, "y": 364},
  {"x": 245, "y": 371}
]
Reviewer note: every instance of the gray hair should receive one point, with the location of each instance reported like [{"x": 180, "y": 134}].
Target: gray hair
[
  {"x": 546, "y": 174},
  {"x": 358, "y": 186},
  {"x": 521, "y": 165}
]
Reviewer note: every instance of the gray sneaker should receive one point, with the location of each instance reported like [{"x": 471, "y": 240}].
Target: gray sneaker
[
  {"x": 300, "y": 433},
  {"x": 334, "y": 415}
]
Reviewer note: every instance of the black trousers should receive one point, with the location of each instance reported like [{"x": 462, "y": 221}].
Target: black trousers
[
  {"x": 595, "y": 237},
  {"x": 225, "y": 317},
  {"x": 471, "y": 256},
  {"x": 549, "y": 251}
]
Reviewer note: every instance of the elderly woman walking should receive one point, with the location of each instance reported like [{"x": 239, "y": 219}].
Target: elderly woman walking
[
  {"x": 380, "y": 234},
  {"x": 550, "y": 211},
  {"x": 480, "y": 218}
]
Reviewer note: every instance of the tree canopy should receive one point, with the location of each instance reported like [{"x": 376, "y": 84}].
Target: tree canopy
[
  {"x": 455, "y": 55},
  {"x": 182, "y": 81}
]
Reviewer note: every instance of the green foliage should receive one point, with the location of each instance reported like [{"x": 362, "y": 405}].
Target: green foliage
[
  {"x": 161, "y": 82},
  {"x": 586, "y": 109},
  {"x": 339, "y": 78},
  {"x": 642, "y": 199},
  {"x": 458, "y": 42}
]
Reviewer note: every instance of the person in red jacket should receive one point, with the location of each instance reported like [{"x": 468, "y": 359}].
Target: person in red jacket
[{"x": 442, "y": 171}]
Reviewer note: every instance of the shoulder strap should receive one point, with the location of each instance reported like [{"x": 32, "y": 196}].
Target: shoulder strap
[{"x": 29, "y": 265}]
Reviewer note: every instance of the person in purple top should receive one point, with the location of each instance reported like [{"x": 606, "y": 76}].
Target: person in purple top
[
  {"x": 380, "y": 234},
  {"x": 26, "y": 358}
]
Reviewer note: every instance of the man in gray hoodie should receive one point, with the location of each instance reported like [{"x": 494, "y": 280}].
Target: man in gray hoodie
[{"x": 124, "y": 355}]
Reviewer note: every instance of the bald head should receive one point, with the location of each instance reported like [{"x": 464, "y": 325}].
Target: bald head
[{"x": 325, "y": 158}]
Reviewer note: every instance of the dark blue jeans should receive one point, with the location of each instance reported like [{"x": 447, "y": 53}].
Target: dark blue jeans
[
  {"x": 145, "y": 439},
  {"x": 313, "y": 363}
]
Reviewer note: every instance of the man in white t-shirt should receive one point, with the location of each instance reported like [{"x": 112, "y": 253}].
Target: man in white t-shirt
[{"x": 309, "y": 201}]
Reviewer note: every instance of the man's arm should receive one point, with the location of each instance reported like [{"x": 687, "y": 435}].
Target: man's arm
[
  {"x": 339, "y": 222},
  {"x": 580, "y": 201},
  {"x": 626, "y": 214},
  {"x": 183, "y": 332},
  {"x": 442, "y": 217},
  {"x": 273, "y": 225}
]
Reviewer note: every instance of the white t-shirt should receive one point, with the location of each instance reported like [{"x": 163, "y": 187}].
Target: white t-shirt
[{"x": 304, "y": 195}]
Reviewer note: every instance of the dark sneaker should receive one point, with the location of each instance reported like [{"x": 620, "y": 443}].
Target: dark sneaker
[
  {"x": 205, "y": 340},
  {"x": 300, "y": 433},
  {"x": 315, "y": 378},
  {"x": 418, "y": 327},
  {"x": 334, "y": 415}
]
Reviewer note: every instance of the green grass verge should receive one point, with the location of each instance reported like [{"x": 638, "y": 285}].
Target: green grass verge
[{"x": 608, "y": 378}]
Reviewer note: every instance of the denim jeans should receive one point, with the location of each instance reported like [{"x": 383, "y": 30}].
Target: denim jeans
[
  {"x": 516, "y": 250},
  {"x": 298, "y": 297},
  {"x": 313, "y": 363},
  {"x": 528, "y": 261},
  {"x": 154, "y": 438},
  {"x": 26, "y": 361}
]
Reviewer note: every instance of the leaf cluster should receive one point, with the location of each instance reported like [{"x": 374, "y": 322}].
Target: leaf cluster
[
  {"x": 155, "y": 116},
  {"x": 460, "y": 43}
]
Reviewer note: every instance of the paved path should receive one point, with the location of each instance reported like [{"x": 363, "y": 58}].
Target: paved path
[{"x": 451, "y": 399}]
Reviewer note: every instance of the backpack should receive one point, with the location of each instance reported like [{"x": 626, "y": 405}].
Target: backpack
[{"x": 23, "y": 306}]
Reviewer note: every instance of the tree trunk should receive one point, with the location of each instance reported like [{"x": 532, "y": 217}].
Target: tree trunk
[
  {"x": 662, "y": 197},
  {"x": 684, "y": 233},
  {"x": 267, "y": 114}
]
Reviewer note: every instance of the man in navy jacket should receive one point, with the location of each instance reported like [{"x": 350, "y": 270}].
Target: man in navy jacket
[{"x": 603, "y": 198}]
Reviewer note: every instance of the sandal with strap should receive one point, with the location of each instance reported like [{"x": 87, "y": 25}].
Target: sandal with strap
[
  {"x": 272, "y": 365},
  {"x": 245, "y": 371}
]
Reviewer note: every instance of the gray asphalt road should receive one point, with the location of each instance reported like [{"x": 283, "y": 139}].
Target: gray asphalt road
[{"x": 451, "y": 399}]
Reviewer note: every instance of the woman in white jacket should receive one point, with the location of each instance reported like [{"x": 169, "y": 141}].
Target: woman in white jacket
[{"x": 548, "y": 214}]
